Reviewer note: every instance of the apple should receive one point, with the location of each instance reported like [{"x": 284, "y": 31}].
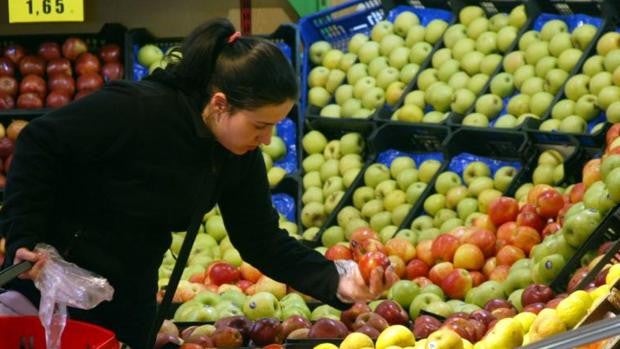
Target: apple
[
  {"x": 110, "y": 52},
  {"x": 89, "y": 82},
  {"x": 14, "y": 52},
  {"x": 392, "y": 312},
  {"x": 424, "y": 325},
  {"x": 328, "y": 328},
  {"x": 30, "y": 64},
  {"x": 260, "y": 305},
  {"x": 8, "y": 86},
  {"x": 457, "y": 283},
  {"x": 536, "y": 293},
  {"x": 57, "y": 99},
  {"x": 7, "y": 68},
  {"x": 72, "y": 47},
  {"x": 421, "y": 302},
  {"x": 62, "y": 83},
  {"x": 58, "y": 66},
  {"x": 6, "y": 101}
]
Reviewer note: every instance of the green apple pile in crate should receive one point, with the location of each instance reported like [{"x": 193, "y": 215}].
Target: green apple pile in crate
[
  {"x": 375, "y": 70},
  {"x": 459, "y": 71},
  {"x": 533, "y": 74},
  {"x": 590, "y": 94},
  {"x": 330, "y": 167}
]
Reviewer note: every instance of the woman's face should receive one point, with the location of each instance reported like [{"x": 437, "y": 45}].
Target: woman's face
[{"x": 242, "y": 130}]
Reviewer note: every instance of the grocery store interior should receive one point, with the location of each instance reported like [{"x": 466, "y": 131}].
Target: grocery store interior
[{"x": 446, "y": 177}]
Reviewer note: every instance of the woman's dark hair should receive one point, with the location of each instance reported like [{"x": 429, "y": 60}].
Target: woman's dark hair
[{"x": 250, "y": 71}]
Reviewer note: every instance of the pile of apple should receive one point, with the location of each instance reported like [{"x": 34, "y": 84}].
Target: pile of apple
[
  {"x": 383, "y": 201},
  {"x": 596, "y": 89},
  {"x": 532, "y": 75},
  {"x": 374, "y": 71},
  {"x": 459, "y": 71},
  {"x": 273, "y": 152},
  {"x": 8, "y": 136},
  {"x": 51, "y": 76},
  {"x": 330, "y": 166}
]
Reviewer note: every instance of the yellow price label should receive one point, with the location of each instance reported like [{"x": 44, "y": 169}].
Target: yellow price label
[{"x": 29, "y": 11}]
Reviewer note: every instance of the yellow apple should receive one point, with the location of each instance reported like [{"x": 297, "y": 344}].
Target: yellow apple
[
  {"x": 395, "y": 335},
  {"x": 444, "y": 339}
]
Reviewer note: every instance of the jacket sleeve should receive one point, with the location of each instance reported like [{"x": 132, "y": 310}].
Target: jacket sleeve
[
  {"x": 252, "y": 225},
  {"x": 80, "y": 133}
]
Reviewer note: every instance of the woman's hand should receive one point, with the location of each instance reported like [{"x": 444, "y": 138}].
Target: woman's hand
[
  {"x": 353, "y": 288},
  {"x": 38, "y": 259}
]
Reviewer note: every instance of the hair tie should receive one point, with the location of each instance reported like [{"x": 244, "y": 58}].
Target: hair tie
[{"x": 233, "y": 37}]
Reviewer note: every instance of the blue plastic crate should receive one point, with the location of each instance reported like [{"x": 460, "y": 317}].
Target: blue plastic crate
[{"x": 338, "y": 24}]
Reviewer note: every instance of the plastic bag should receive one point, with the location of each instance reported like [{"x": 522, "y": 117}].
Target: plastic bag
[{"x": 62, "y": 283}]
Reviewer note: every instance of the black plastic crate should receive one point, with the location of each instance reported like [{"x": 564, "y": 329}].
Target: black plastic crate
[
  {"x": 572, "y": 12},
  {"x": 492, "y": 147},
  {"x": 109, "y": 33},
  {"x": 388, "y": 142},
  {"x": 339, "y": 23},
  {"x": 491, "y": 8},
  {"x": 608, "y": 230},
  {"x": 285, "y": 37}
]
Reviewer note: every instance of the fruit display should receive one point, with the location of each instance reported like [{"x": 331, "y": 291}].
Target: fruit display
[
  {"x": 8, "y": 136},
  {"x": 51, "y": 72},
  {"x": 374, "y": 68},
  {"x": 281, "y": 154},
  {"x": 471, "y": 52}
]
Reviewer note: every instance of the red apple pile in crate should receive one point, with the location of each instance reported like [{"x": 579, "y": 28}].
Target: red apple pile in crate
[
  {"x": 56, "y": 73},
  {"x": 8, "y": 136}
]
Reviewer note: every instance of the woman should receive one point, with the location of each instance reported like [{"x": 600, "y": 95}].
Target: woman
[{"x": 107, "y": 178}]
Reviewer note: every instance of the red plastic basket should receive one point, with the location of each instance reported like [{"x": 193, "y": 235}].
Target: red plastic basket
[{"x": 27, "y": 332}]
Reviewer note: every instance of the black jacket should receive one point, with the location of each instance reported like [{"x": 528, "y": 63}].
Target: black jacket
[{"x": 107, "y": 178}]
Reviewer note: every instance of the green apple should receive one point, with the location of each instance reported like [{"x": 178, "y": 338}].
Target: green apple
[
  {"x": 515, "y": 299},
  {"x": 607, "y": 96},
  {"x": 447, "y": 69},
  {"x": 612, "y": 60},
  {"x": 560, "y": 43},
  {"x": 540, "y": 102},
  {"x": 415, "y": 191},
  {"x": 408, "y": 72},
  {"x": 350, "y": 107},
  {"x": 587, "y": 107},
  {"x": 477, "y": 82},
  {"x": 505, "y": 37},
  {"x": 578, "y": 227},
  {"x": 410, "y": 113},
  {"x": 475, "y": 169},
  {"x": 593, "y": 65},
  {"x": 319, "y": 96},
  {"x": 462, "y": 100},
  {"x": 505, "y": 121},
  {"x": 343, "y": 93},
  {"x": 434, "y": 203},
  {"x": 331, "y": 59},
  {"x": 421, "y": 302},
  {"x": 362, "y": 86},
  {"x": 404, "y": 22},
  {"x": 399, "y": 57},
  {"x": 462, "y": 47},
  {"x": 446, "y": 181},
  {"x": 368, "y": 52},
  {"x": 332, "y": 236},
  {"x": 469, "y": 13},
  {"x": 470, "y": 62},
  {"x": 377, "y": 65},
  {"x": 331, "y": 111},
  {"x": 373, "y": 98},
  {"x": 419, "y": 51},
  {"x": 612, "y": 180},
  {"x": 489, "y": 104},
  {"x": 150, "y": 54},
  {"x": 598, "y": 81},
  {"x": 390, "y": 42},
  {"x": 607, "y": 42},
  {"x": 562, "y": 109},
  {"x": 569, "y": 58},
  {"x": 325, "y": 311},
  {"x": 517, "y": 16},
  {"x": 544, "y": 65},
  {"x": 577, "y": 86},
  {"x": 335, "y": 78},
  {"x": 427, "y": 170},
  {"x": 426, "y": 78},
  {"x": 313, "y": 194},
  {"x": 356, "y": 42},
  {"x": 407, "y": 234},
  {"x": 552, "y": 28},
  {"x": 583, "y": 35},
  {"x": 453, "y": 34},
  {"x": 487, "y": 42},
  {"x": 485, "y": 292},
  {"x": 381, "y": 29},
  {"x": 532, "y": 85},
  {"x": 200, "y": 308},
  {"x": 434, "y": 30},
  {"x": 313, "y": 215},
  {"x": 550, "y": 125},
  {"x": 502, "y": 85},
  {"x": 318, "y": 76},
  {"x": 399, "y": 213},
  {"x": 434, "y": 117},
  {"x": 347, "y": 61},
  {"x": 513, "y": 61},
  {"x": 554, "y": 80},
  {"x": 393, "y": 92},
  {"x": 356, "y": 72},
  {"x": 318, "y": 51},
  {"x": 415, "y": 34},
  {"x": 440, "y": 57},
  {"x": 489, "y": 63},
  {"x": 573, "y": 124},
  {"x": 459, "y": 80}
]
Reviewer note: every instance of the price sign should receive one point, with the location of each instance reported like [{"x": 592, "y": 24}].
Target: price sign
[{"x": 29, "y": 11}]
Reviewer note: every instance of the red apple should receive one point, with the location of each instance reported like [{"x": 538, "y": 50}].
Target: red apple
[
  {"x": 56, "y": 99},
  {"x": 484, "y": 239},
  {"x": 477, "y": 277},
  {"x": 416, "y": 267},
  {"x": 469, "y": 256},
  {"x": 457, "y": 283},
  {"x": 112, "y": 71},
  {"x": 371, "y": 261},
  {"x": 338, "y": 251},
  {"x": 369, "y": 331},
  {"x": 363, "y": 233},
  {"x": 348, "y": 316},
  {"x": 550, "y": 229},
  {"x": 293, "y": 323},
  {"x": 33, "y": 84},
  {"x": 240, "y": 322},
  {"x": 505, "y": 233},
  {"x": 49, "y": 50},
  {"x": 87, "y": 63},
  {"x": 576, "y": 192},
  {"x": 509, "y": 254},
  {"x": 89, "y": 82},
  {"x": 327, "y": 328},
  {"x": 525, "y": 238},
  {"x": 483, "y": 316},
  {"x": 444, "y": 246},
  {"x": 359, "y": 248},
  {"x": 29, "y": 101},
  {"x": 439, "y": 272},
  {"x": 599, "y": 280},
  {"x": 549, "y": 203},
  {"x": 110, "y": 53},
  {"x": 591, "y": 172},
  {"x": 398, "y": 266},
  {"x": 531, "y": 219},
  {"x": 503, "y": 209},
  {"x": 400, "y": 247},
  {"x": 532, "y": 195},
  {"x": 32, "y": 65},
  {"x": 222, "y": 273},
  {"x": 500, "y": 273},
  {"x": 244, "y": 284},
  {"x": 604, "y": 248},
  {"x": 392, "y": 312},
  {"x": 267, "y": 331},
  {"x": 502, "y": 313},
  {"x": 424, "y": 325},
  {"x": 424, "y": 253},
  {"x": 497, "y": 303},
  {"x": 15, "y": 53},
  {"x": 6, "y": 148},
  {"x": 536, "y": 293},
  {"x": 61, "y": 83},
  {"x": 422, "y": 281},
  {"x": 480, "y": 329},
  {"x": 489, "y": 266},
  {"x": 461, "y": 326},
  {"x": 6, "y": 101},
  {"x": 73, "y": 47},
  {"x": 59, "y": 66},
  {"x": 612, "y": 133},
  {"x": 534, "y": 307},
  {"x": 7, "y": 68},
  {"x": 371, "y": 319},
  {"x": 8, "y": 86}
]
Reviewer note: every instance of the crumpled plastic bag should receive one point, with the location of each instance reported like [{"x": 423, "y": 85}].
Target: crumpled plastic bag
[{"x": 65, "y": 284}]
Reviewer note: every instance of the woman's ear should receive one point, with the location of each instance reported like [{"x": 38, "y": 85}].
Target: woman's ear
[{"x": 219, "y": 102}]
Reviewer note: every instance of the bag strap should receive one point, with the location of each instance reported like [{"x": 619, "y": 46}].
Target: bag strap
[{"x": 175, "y": 277}]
